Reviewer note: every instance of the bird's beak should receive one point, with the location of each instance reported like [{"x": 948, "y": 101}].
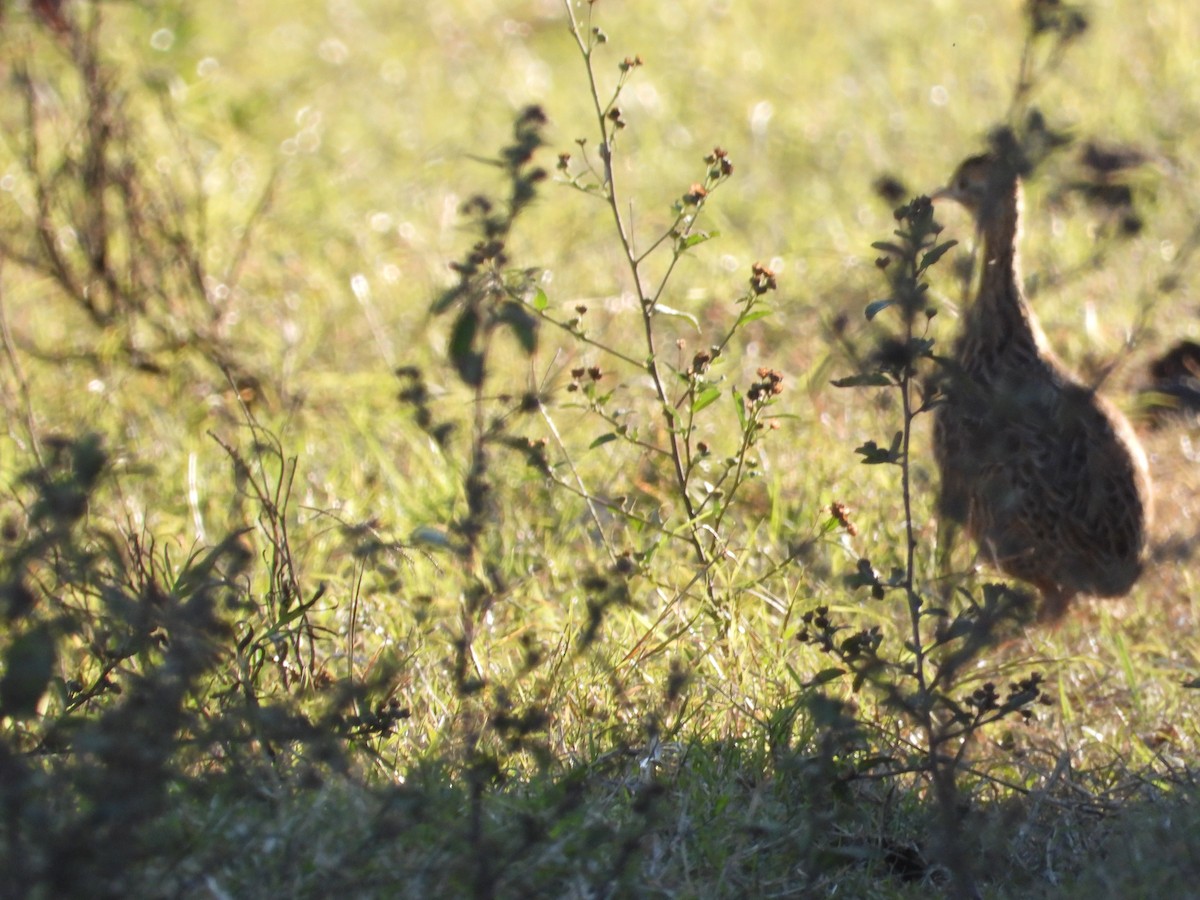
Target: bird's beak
[{"x": 944, "y": 193}]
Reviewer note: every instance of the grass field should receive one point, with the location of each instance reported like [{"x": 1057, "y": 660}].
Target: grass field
[{"x": 395, "y": 504}]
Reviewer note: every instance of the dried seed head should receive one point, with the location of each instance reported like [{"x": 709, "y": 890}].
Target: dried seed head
[
  {"x": 721, "y": 165},
  {"x": 841, "y": 512},
  {"x": 762, "y": 279}
]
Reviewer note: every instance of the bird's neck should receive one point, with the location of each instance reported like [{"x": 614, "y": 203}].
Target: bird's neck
[{"x": 1000, "y": 317}]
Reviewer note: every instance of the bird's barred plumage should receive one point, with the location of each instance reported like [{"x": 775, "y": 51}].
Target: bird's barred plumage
[{"x": 1046, "y": 476}]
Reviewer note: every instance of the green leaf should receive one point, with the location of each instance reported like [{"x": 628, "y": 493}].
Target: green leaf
[
  {"x": 676, "y": 313},
  {"x": 431, "y": 535},
  {"x": 739, "y": 405},
  {"x": 28, "y": 668},
  {"x": 462, "y": 336},
  {"x": 889, "y": 247},
  {"x": 299, "y": 609},
  {"x": 874, "y": 455},
  {"x": 936, "y": 253},
  {"x": 523, "y": 325},
  {"x": 706, "y": 397},
  {"x": 875, "y": 307},
  {"x": 607, "y": 438},
  {"x": 866, "y": 379},
  {"x": 920, "y": 347},
  {"x": 16, "y": 599},
  {"x": 88, "y": 459},
  {"x": 696, "y": 238},
  {"x": 795, "y": 676},
  {"x": 447, "y": 299},
  {"x": 825, "y": 676},
  {"x": 466, "y": 359},
  {"x": 202, "y": 571},
  {"x": 864, "y": 574},
  {"x": 540, "y": 301},
  {"x": 752, "y": 315}
]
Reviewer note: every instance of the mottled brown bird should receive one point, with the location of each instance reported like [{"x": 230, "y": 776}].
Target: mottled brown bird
[{"x": 1044, "y": 474}]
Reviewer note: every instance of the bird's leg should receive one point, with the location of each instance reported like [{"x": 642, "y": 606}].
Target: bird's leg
[
  {"x": 1055, "y": 601},
  {"x": 947, "y": 536}
]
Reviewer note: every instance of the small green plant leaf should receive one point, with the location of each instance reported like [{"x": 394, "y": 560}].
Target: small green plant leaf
[
  {"x": 752, "y": 315},
  {"x": 540, "y": 301},
  {"x": 16, "y": 600},
  {"x": 920, "y": 347},
  {"x": 299, "y": 609},
  {"x": 936, "y": 253},
  {"x": 889, "y": 247},
  {"x": 606, "y": 438},
  {"x": 28, "y": 667},
  {"x": 466, "y": 359},
  {"x": 825, "y": 676},
  {"x": 523, "y": 325},
  {"x": 664, "y": 310},
  {"x": 705, "y": 398},
  {"x": 865, "y": 379},
  {"x": 740, "y": 405},
  {"x": 447, "y": 299},
  {"x": 864, "y": 575},
  {"x": 874, "y": 455},
  {"x": 202, "y": 571},
  {"x": 88, "y": 460},
  {"x": 431, "y": 536},
  {"x": 875, "y": 307},
  {"x": 697, "y": 238}
]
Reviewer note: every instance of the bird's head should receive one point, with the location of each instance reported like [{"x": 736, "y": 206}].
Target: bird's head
[{"x": 982, "y": 184}]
